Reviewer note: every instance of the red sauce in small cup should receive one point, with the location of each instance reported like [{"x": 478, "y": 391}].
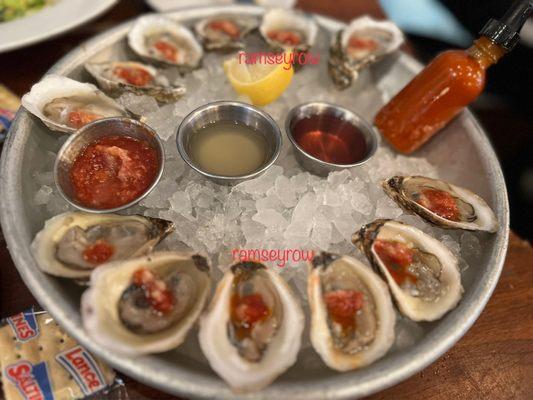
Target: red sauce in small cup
[
  {"x": 330, "y": 139},
  {"x": 113, "y": 171}
]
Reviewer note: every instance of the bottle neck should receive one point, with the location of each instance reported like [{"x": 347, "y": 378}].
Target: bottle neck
[{"x": 486, "y": 52}]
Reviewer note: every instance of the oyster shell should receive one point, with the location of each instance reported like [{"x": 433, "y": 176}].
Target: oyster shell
[
  {"x": 422, "y": 273},
  {"x": 352, "y": 317},
  {"x": 225, "y": 32},
  {"x": 252, "y": 330},
  {"x": 363, "y": 42},
  {"x": 288, "y": 30},
  {"x": 441, "y": 203},
  {"x": 163, "y": 41},
  {"x": 147, "y": 304},
  {"x": 117, "y": 77},
  {"x": 73, "y": 244},
  {"x": 65, "y": 105}
]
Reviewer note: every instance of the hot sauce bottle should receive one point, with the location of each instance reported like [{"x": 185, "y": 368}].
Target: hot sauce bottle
[{"x": 449, "y": 83}]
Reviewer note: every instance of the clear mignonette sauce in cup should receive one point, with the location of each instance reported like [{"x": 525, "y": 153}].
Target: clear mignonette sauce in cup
[{"x": 228, "y": 141}]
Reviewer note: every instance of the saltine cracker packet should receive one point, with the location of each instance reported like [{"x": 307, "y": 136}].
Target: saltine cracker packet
[{"x": 39, "y": 361}]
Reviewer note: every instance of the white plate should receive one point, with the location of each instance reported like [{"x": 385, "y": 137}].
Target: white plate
[
  {"x": 167, "y": 5},
  {"x": 50, "y": 21}
]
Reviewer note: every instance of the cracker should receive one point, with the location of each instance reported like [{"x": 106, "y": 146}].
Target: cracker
[{"x": 39, "y": 345}]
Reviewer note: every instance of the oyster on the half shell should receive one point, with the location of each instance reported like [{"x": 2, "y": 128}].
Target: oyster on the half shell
[
  {"x": 164, "y": 41},
  {"x": 352, "y": 317},
  {"x": 288, "y": 30},
  {"x": 147, "y": 304},
  {"x": 117, "y": 77},
  {"x": 65, "y": 105},
  {"x": 363, "y": 42},
  {"x": 252, "y": 330},
  {"x": 441, "y": 203},
  {"x": 73, "y": 244},
  {"x": 422, "y": 273},
  {"x": 225, "y": 32}
]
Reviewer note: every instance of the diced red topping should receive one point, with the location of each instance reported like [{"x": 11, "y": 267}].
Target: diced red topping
[
  {"x": 288, "y": 38},
  {"x": 77, "y": 119},
  {"x": 98, "y": 253},
  {"x": 342, "y": 306},
  {"x": 167, "y": 50},
  {"x": 246, "y": 311},
  {"x": 227, "y": 27},
  {"x": 155, "y": 290},
  {"x": 441, "y": 203},
  {"x": 133, "y": 76},
  {"x": 360, "y": 43},
  {"x": 250, "y": 309},
  {"x": 397, "y": 257},
  {"x": 112, "y": 171}
]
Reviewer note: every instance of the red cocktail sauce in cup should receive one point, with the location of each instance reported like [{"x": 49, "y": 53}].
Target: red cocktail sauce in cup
[{"x": 112, "y": 171}]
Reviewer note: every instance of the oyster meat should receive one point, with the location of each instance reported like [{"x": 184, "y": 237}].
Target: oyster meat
[
  {"x": 147, "y": 304},
  {"x": 65, "y": 105},
  {"x": 225, "y": 32},
  {"x": 252, "y": 330},
  {"x": 363, "y": 42},
  {"x": 73, "y": 244},
  {"x": 352, "y": 317},
  {"x": 441, "y": 203},
  {"x": 117, "y": 77},
  {"x": 422, "y": 273},
  {"x": 288, "y": 30},
  {"x": 163, "y": 41}
]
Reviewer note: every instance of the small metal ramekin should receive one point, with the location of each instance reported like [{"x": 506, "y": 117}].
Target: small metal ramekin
[
  {"x": 115, "y": 126},
  {"x": 258, "y": 120},
  {"x": 313, "y": 164}
]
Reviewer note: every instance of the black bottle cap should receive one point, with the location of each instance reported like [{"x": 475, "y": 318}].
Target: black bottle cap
[{"x": 506, "y": 31}]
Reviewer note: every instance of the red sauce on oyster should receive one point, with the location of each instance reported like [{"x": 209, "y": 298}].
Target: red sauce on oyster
[
  {"x": 397, "y": 257},
  {"x": 133, "y": 75},
  {"x": 98, "y": 252},
  {"x": 167, "y": 50},
  {"x": 246, "y": 311},
  {"x": 155, "y": 290},
  {"x": 441, "y": 203},
  {"x": 79, "y": 118},
  {"x": 289, "y": 38},
  {"x": 113, "y": 171},
  {"x": 361, "y": 43},
  {"x": 342, "y": 306},
  {"x": 225, "y": 26}
]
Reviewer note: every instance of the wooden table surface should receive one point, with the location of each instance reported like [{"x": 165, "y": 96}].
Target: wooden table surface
[{"x": 494, "y": 360}]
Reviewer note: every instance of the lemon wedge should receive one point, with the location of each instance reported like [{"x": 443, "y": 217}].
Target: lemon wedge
[{"x": 261, "y": 82}]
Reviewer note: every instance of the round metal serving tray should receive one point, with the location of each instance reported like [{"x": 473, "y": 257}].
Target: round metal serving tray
[{"x": 463, "y": 149}]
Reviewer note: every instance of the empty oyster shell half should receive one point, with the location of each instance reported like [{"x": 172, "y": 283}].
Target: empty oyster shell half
[
  {"x": 164, "y": 41},
  {"x": 225, "y": 32},
  {"x": 252, "y": 330},
  {"x": 422, "y": 273},
  {"x": 441, "y": 203},
  {"x": 73, "y": 244},
  {"x": 117, "y": 77},
  {"x": 147, "y": 304},
  {"x": 352, "y": 317},
  {"x": 363, "y": 42},
  {"x": 288, "y": 29},
  {"x": 65, "y": 105}
]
